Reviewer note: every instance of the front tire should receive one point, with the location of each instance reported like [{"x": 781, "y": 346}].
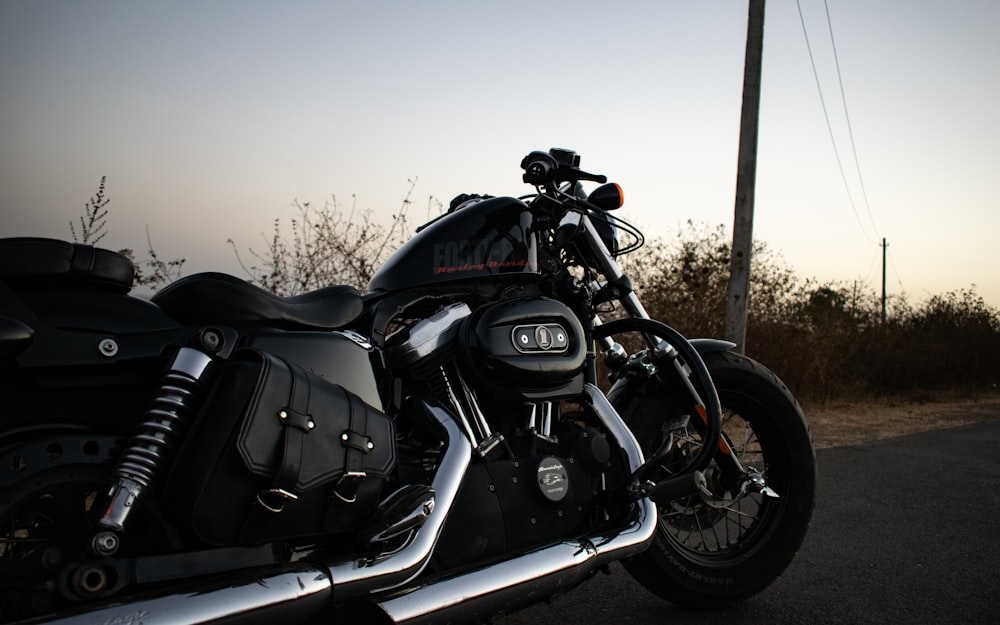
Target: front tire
[{"x": 712, "y": 552}]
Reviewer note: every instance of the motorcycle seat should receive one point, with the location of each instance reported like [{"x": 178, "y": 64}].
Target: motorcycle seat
[
  {"x": 218, "y": 298},
  {"x": 36, "y": 262}
]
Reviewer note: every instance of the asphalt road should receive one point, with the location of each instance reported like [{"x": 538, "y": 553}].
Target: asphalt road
[{"x": 906, "y": 530}]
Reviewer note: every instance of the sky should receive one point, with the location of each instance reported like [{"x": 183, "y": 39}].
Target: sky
[{"x": 210, "y": 119}]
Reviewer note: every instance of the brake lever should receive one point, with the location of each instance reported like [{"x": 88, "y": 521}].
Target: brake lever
[{"x": 579, "y": 174}]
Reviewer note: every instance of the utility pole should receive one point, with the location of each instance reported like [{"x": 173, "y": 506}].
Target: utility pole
[
  {"x": 884, "y": 247},
  {"x": 738, "y": 291}
]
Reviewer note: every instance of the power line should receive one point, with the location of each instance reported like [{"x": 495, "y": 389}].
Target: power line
[
  {"x": 847, "y": 117},
  {"x": 829, "y": 127},
  {"x": 869, "y": 275}
]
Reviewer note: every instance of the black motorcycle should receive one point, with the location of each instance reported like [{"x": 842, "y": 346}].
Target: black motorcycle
[{"x": 436, "y": 449}]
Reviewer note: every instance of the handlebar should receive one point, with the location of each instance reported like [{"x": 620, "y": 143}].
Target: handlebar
[
  {"x": 569, "y": 211},
  {"x": 555, "y": 166}
]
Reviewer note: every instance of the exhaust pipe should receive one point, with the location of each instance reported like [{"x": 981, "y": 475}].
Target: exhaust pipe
[
  {"x": 297, "y": 591},
  {"x": 291, "y": 594},
  {"x": 360, "y": 577},
  {"x": 513, "y": 584}
]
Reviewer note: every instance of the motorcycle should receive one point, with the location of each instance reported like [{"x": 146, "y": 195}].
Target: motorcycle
[{"x": 438, "y": 448}]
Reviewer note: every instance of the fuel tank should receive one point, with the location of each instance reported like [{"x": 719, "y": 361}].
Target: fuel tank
[{"x": 482, "y": 240}]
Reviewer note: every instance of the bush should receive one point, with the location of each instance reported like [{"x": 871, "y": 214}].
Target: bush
[
  {"x": 824, "y": 340},
  {"x": 952, "y": 342},
  {"x": 151, "y": 272},
  {"x": 328, "y": 246}
]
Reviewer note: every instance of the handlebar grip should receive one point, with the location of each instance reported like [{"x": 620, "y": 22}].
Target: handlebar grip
[{"x": 538, "y": 168}]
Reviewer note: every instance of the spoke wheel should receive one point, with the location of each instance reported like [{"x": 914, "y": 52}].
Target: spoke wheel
[
  {"x": 51, "y": 488},
  {"x": 43, "y": 525},
  {"x": 716, "y": 550},
  {"x": 709, "y": 528}
]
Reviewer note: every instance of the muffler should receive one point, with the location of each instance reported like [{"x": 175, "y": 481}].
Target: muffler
[
  {"x": 293, "y": 593},
  {"x": 512, "y": 584},
  {"x": 297, "y": 591}
]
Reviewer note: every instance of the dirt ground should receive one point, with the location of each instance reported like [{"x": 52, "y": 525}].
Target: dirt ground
[{"x": 836, "y": 424}]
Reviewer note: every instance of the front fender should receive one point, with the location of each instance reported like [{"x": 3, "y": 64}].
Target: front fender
[{"x": 708, "y": 346}]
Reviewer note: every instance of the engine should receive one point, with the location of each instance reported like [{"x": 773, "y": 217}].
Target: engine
[
  {"x": 507, "y": 371},
  {"x": 521, "y": 350}
]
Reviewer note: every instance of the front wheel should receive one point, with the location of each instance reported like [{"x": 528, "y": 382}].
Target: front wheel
[{"x": 711, "y": 551}]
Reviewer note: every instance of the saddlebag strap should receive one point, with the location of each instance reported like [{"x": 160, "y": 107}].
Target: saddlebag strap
[
  {"x": 296, "y": 422},
  {"x": 357, "y": 444}
]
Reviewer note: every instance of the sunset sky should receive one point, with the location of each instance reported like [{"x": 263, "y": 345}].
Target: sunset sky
[{"x": 210, "y": 118}]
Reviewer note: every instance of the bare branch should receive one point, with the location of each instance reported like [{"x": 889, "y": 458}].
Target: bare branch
[{"x": 328, "y": 245}]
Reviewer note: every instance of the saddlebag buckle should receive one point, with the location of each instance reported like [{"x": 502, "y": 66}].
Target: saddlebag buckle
[
  {"x": 277, "y": 496},
  {"x": 349, "y": 483}
]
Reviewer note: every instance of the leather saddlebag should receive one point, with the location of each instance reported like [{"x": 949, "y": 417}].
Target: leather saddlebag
[{"x": 278, "y": 453}]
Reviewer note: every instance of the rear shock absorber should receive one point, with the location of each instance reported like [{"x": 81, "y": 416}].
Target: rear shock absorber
[{"x": 151, "y": 447}]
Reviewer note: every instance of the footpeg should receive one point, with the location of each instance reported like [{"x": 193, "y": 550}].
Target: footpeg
[
  {"x": 403, "y": 511},
  {"x": 678, "y": 487},
  {"x": 669, "y": 431}
]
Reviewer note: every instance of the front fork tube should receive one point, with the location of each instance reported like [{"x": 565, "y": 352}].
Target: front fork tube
[
  {"x": 725, "y": 449},
  {"x": 658, "y": 336},
  {"x": 660, "y": 362}
]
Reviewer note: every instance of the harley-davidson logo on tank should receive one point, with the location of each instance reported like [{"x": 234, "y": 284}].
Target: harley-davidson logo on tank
[{"x": 484, "y": 254}]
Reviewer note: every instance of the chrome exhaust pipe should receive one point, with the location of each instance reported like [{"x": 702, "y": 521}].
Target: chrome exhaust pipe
[
  {"x": 294, "y": 592},
  {"x": 297, "y": 591},
  {"x": 360, "y": 577},
  {"x": 513, "y": 584},
  {"x": 290, "y": 594},
  {"x": 516, "y": 583}
]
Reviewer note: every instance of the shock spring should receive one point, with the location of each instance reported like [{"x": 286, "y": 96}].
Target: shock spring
[{"x": 160, "y": 431}]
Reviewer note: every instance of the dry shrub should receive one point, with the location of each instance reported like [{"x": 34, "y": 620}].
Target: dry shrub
[
  {"x": 828, "y": 340},
  {"x": 328, "y": 246}
]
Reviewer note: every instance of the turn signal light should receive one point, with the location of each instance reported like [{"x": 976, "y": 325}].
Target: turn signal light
[{"x": 607, "y": 196}]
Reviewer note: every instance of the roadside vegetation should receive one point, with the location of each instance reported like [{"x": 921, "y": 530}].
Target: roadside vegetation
[
  {"x": 827, "y": 341},
  {"x": 151, "y": 271}
]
